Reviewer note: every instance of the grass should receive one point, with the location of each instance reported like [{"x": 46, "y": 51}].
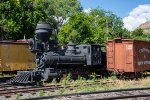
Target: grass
[
  {"x": 7, "y": 74},
  {"x": 41, "y": 93},
  {"x": 79, "y": 85},
  {"x": 17, "y": 97},
  {"x": 61, "y": 91},
  {"x": 117, "y": 84},
  {"x": 48, "y": 93},
  {"x": 122, "y": 84},
  {"x": 67, "y": 79}
]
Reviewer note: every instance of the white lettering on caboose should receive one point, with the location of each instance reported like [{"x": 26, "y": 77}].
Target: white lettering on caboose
[
  {"x": 143, "y": 63},
  {"x": 144, "y": 50}
]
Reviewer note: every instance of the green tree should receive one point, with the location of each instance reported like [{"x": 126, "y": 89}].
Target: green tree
[
  {"x": 78, "y": 27},
  {"x": 138, "y": 34},
  {"x": 60, "y": 10},
  {"x": 91, "y": 27},
  {"x": 19, "y": 18}
]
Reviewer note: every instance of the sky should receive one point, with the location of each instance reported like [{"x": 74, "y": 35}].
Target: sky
[{"x": 132, "y": 12}]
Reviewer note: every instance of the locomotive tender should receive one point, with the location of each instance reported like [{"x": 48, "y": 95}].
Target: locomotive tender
[
  {"x": 13, "y": 59},
  {"x": 52, "y": 61}
]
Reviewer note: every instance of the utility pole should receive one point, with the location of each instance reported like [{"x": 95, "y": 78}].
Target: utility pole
[{"x": 107, "y": 32}]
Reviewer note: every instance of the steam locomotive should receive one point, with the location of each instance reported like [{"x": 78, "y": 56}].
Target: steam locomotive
[{"x": 52, "y": 61}]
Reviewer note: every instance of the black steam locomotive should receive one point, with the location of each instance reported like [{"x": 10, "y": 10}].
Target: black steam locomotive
[{"x": 52, "y": 61}]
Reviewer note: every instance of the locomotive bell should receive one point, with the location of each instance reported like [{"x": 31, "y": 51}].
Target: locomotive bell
[{"x": 43, "y": 31}]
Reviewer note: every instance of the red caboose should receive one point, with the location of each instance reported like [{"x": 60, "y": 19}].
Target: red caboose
[{"x": 128, "y": 55}]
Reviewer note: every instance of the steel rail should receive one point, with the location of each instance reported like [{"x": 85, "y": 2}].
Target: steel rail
[
  {"x": 7, "y": 89},
  {"x": 121, "y": 97},
  {"x": 97, "y": 92}
]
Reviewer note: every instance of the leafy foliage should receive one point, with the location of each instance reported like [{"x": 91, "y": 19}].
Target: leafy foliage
[
  {"x": 78, "y": 26},
  {"x": 18, "y": 18},
  {"x": 138, "y": 34},
  {"x": 59, "y": 10},
  {"x": 91, "y": 27}
]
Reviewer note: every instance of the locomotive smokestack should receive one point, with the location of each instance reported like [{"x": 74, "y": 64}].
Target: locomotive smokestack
[
  {"x": 43, "y": 31},
  {"x": 42, "y": 34}
]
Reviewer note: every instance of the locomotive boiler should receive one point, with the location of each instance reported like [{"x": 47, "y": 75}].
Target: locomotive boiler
[{"x": 52, "y": 61}]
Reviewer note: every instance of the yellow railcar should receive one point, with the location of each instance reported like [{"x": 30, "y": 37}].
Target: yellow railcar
[{"x": 15, "y": 56}]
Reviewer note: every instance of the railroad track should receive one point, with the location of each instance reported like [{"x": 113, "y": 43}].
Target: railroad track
[
  {"x": 8, "y": 90},
  {"x": 136, "y": 93},
  {"x": 5, "y": 78}
]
